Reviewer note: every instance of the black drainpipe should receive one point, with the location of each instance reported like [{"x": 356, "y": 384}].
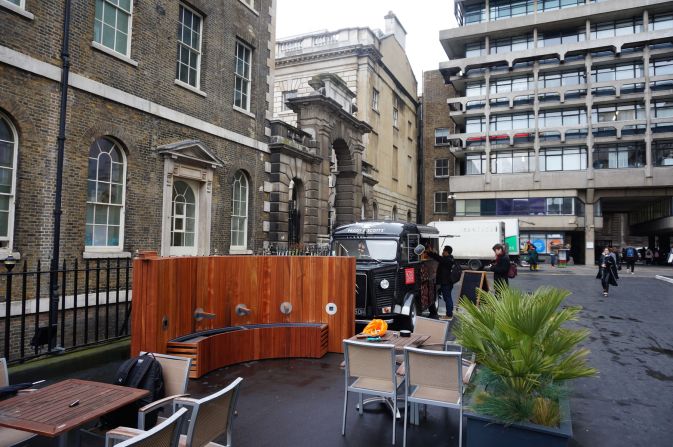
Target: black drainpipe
[
  {"x": 53, "y": 274},
  {"x": 420, "y": 171}
]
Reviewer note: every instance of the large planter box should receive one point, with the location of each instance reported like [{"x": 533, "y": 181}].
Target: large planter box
[{"x": 484, "y": 431}]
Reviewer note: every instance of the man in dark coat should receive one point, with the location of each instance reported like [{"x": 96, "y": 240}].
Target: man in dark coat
[
  {"x": 443, "y": 278},
  {"x": 607, "y": 271}
]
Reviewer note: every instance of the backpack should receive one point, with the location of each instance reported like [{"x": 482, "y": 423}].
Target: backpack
[
  {"x": 142, "y": 372},
  {"x": 630, "y": 252},
  {"x": 456, "y": 272},
  {"x": 512, "y": 272}
]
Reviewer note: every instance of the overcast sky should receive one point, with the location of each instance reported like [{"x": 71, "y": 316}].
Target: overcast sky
[{"x": 421, "y": 18}]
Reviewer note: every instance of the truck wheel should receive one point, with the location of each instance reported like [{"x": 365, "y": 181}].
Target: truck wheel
[
  {"x": 474, "y": 264},
  {"x": 411, "y": 319}
]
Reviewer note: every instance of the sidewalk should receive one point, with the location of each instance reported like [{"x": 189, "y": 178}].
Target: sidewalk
[{"x": 641, "y": 271}]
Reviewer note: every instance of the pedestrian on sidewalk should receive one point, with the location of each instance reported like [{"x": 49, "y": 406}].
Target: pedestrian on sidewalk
[
  {"x": 443, "y": 278},
  {"x": 500, "y": 267},
  {"x": 630, "y": 255},
  {"x": 607, "y": 271}
]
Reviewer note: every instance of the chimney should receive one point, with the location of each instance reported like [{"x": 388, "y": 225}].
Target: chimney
[{"x": 393, "y": 26}]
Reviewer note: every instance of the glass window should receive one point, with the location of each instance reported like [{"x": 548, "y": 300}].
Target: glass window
[
  {"x": 659, "y": 22},
  {"x": 105, "y": 195},
  {"x": 565, "y": 37},
  {"x": 618, "y": 112},
  {"x": 515, "y": 84},
  {"x": 288, "y": 94},
  {"x": 396, "y": 113},
  {"x": 442, "y": 167},
  {"x": 242, "y": 76},
  {"x": 511, "y": 162},
  {"x": 475, "y": 164},
  {"x": 662, "y": 109},
  {"x": 622, "y": 155},
  {"x": 18, "y": 3},
  {"x": 112, "y": 25},
  {"x": 475, "y": 125},
  {"x": 474, "y": 49},
  {"x": 509, "y": 44},
  {"x": 659, "y": 67},
  {"x": 9, "y": 145},
  {"x": 563, "y": 159},
  {"x": 442, "y": 136},
  {"x": 616, "y": 28},
  {"x": 617, "y": 72},
  {"x": 189, "y": 47},
  {"x": 441, "y": 202},
  {"x": 239, "y": 213},
  {"x": 183, "y": 215},
  {"x": 475, "y": 89},
  {"x": 375, "y": 99},
  {"x": 662, "y": 153},
  {"x": 504, "y": 9}
]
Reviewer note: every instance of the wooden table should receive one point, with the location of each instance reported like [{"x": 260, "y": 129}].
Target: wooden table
[
  {"x": 48, "y": 411},
  {"x": 394, "y": 338}
]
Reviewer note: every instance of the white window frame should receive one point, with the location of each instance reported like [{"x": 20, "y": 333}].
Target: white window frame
[
  {"x": 129, "y": 30},
  {"x": 19, "y": 9},
  {"x": 435, "y": 202},
  {"x": 246, "y": 106},
  {"x": 122, "y": 213},
  {"x": 375, "y": 99},
  {"x": 438, "y": 167},
  {"x": 12, "y": 195},
  {"x": 191, "y": 49},
  {"x": 396, "y": 112},
  {"x": 193, "y": 249},
  {"x": 244, "y": 216}
]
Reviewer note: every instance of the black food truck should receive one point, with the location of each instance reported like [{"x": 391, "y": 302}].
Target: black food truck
[{"x": 394, "y": 279}]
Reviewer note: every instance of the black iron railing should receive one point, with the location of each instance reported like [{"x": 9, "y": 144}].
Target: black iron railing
[
  {"x": 94, "y": 306},
  {"x": 298, "y": 249}
]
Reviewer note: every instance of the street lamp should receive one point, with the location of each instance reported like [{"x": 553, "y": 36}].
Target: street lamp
[{"x": 9, "y": 262}]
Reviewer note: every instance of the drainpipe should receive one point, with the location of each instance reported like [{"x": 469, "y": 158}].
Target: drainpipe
[
  {"x": 420, "y": 172},
  {"x": 53, "y": 274}
]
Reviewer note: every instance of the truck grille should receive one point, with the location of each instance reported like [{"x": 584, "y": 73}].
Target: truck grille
[
  {"x": 384, "y": 297},
  {"x": 361, "y": 291}
]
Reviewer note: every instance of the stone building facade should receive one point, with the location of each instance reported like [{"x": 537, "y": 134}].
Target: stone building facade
[
  {"x": 167, "y": 127},
  {"x": 373, "y": 66},
  {"x": 438, "y": 163}
]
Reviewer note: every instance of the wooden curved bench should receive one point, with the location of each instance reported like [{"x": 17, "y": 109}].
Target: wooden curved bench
[{"x": 216, "y": 348}]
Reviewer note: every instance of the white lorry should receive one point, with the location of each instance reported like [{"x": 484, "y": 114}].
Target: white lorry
[{"x": 472, "y": 240}]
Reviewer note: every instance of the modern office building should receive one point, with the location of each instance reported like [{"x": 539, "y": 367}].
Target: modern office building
[
  {"x": 370, "y": 68},
  {"x": 564, "y": 111}
]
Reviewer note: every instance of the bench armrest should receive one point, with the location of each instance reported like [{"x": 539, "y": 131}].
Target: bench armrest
[{"x": 153, "y": 406}]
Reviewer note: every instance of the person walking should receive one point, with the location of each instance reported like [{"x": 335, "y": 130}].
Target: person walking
[
  {"x": 649, "y": 255},
  {"x": 444, "y": 265},
  {"x": 532, "y": 256},
  {"x": 607, "y": 271},
  {"x": 630, "y": 255},
  {"x": 500, "y": 267}
]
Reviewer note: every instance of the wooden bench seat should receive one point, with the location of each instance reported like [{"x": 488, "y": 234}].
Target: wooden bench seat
[{"x": 216, "y": 348}]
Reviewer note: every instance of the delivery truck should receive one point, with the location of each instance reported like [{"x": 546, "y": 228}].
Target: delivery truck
[{"x": 472, "y": 240}]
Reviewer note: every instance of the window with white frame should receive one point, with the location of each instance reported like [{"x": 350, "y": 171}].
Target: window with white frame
[
  {"x": 184, "y": 218},
  {"x": 242, "y": 76},
  {"x": 19, "y": 3},
  {"x": 105, "y": 196},
  {"x": 396, "y": 112},
  {"x": 250, "y": 3},
  {"x": 441, "y": 202},
  {"x": 112, "y": 26},
  {"x": 441, "y": 136},
  {"x": 189, "y": 47},
  {"x": 9, "y": 145},
  {"x": 442, "y": 167},
  {"x": 375, "y": 99},
  {"x": 239, "y": 212},
  {"x": 288, "y": 94}
]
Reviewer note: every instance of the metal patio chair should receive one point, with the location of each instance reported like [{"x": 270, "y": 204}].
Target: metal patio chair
[
  {"x": 438, "y": 330},
  {"x": 8, "y": 436},
  {"x": 433, "y": 378},
  {"x": 165, "y": 434},
  {"x": 372, "y": 366}
]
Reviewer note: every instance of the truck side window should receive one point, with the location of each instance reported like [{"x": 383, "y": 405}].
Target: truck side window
[{"x": 413, "y": 240}]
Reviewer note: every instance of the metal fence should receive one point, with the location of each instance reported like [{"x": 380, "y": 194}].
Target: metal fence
[
  {"x": 299, "y": 249},
  {"x": 94, "y": 305}
]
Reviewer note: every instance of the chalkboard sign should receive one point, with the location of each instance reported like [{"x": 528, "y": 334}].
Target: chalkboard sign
[{"x": 470, "y": 282}]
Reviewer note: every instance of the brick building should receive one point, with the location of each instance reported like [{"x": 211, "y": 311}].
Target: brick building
[
  {"x": 438, "y": 161},
  {"x": 166, "y": 126}
]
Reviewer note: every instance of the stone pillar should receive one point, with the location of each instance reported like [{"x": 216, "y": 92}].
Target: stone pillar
[{"x": 590, "y": 229}]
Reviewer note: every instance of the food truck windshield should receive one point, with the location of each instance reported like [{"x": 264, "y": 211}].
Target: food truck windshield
[{"x": 366, "y": 249}]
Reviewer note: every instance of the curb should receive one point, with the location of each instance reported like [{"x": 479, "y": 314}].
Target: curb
[{"x": 59, "y": 366}]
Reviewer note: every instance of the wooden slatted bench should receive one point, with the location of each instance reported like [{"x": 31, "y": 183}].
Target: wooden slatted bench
[{"x": 216, "y": 348}]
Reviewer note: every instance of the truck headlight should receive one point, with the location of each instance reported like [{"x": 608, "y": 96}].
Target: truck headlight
[{"x": 384, "y": 284}]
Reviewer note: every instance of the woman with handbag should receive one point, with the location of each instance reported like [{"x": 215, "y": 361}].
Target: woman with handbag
[{"x": 607, "y": 271}]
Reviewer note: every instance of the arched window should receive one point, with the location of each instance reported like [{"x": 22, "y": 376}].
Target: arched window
[
  {"x": 105, "y": 196},
  {"x": 9, "y": 147},
  {"x": 409, "y": 216},
  {"x": 239, "y": 212},
  {"x": 394, "y": 214},
  {"x": 184, "y": 219},
  {"x": 363, "y": 209},
  {"x": 375, "y": 210}
]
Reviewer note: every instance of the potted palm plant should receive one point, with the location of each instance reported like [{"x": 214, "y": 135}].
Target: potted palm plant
[{"x": 526, "y": 356}]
